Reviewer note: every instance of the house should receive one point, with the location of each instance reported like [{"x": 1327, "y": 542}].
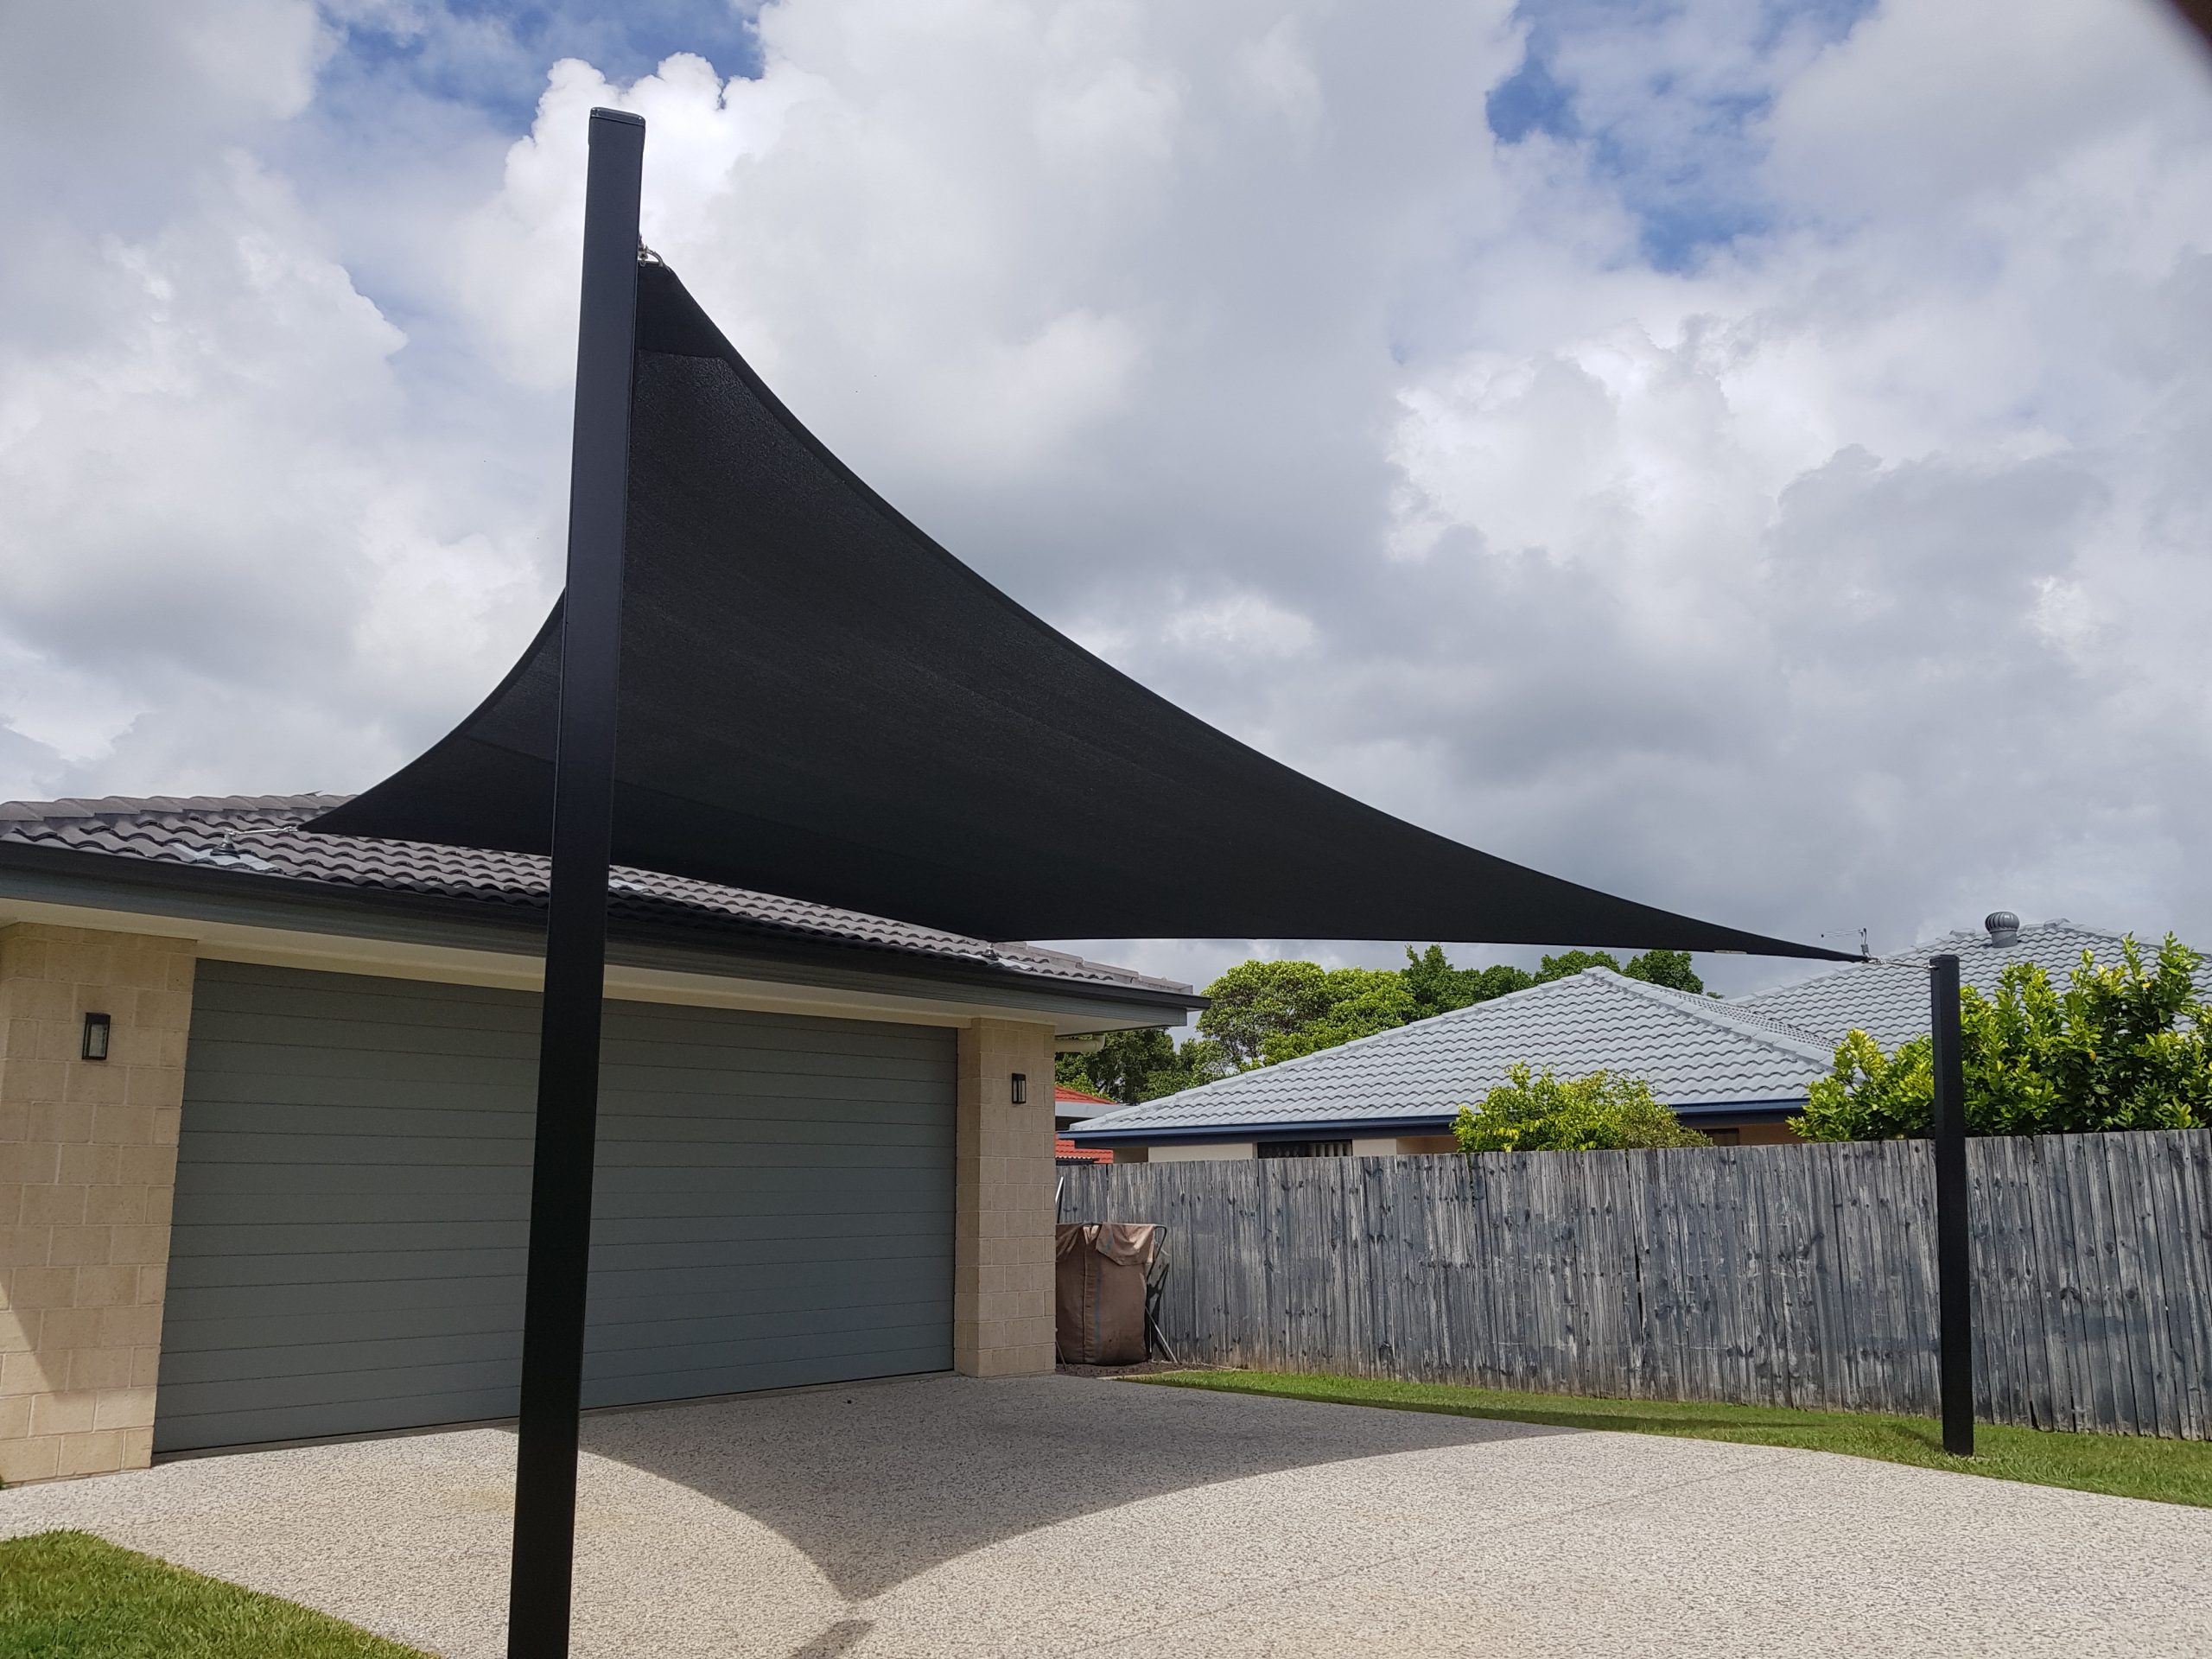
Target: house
[
  {"x": 265, "y": 1135},
  {"x": 1887, "y": 998},
  {"x": 1736, "y": 1070},
  {"x": 1070, "y": 1107},
  {"x": 1728, "y": 1069}
]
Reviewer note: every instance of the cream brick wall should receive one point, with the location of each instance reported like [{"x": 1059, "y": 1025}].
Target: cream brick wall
[
  {"x": 87, "y": 1169},
  {"x": 1002, "y": 1246}
]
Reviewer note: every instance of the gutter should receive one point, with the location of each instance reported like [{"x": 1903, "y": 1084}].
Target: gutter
[{"x": 1337, "y": 1128}]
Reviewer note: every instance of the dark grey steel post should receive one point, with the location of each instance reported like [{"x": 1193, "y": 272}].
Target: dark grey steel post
[
  {"x": 1953, "y": 1270},
  {"x": 576, "y": 933}
]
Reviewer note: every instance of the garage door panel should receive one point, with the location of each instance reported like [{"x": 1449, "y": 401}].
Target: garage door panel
[
  {"x": 355, "y": 996},
  {"x": 311, "y": 1327},
  {"x": 674, "y": 1290},
  {"x": 870, "y": 1240},
  {"x": 396, "y": 1396},
  {"x": 364, "y": 1151},
  {"x": 690, "y": 1192},
  {"x": 337, "y": 1271},
  {"x": 308, "y": 1064},
  {"x": 620, "y": 1298},
  {"x": 770, "y": 1362},
  {"x": 286, "y": 1121},
  {"x": 281, "y": 1421},
  {"x": 412, "y": 1353},
  {"x": 231, "y": 1315},
  {"x": 286, "y": 1205},
  {"x": 774, "y": 1206},
  {"x": 779, "y": 1215},
  {"x": 433, "y": 1389},
  {"x": 215, "y": 1184},
  {"x": 640, "y": 1340},
  {"x": 667, "y": 1027},
  {"x": 837, "y": 1080},
  {"x": 367, "y": 1240},
  {"x": 709, "y": 1164},
  {"x": 777, "y": 1138}
]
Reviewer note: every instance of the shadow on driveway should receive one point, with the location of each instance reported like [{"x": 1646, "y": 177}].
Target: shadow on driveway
[{"x": 876, "y": 1482}]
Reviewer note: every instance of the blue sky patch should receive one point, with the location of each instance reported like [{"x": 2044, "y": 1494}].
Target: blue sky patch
[{"x": 1681, "y": 151}]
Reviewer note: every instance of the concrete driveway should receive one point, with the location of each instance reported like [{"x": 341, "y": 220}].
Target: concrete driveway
[{"x": 1063, "y": 1515}]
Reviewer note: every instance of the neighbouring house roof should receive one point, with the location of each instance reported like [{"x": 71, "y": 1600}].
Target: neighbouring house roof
[
  {"x": 1701, "y": 1056},
  {"x": 1064, "y": 1095},
  {"x": 1065, "y": 1151},
  {"x": 1696, "y": 1052},
  {"x": 258, "y": 843},
  {"x": 1888, "y": 998}
]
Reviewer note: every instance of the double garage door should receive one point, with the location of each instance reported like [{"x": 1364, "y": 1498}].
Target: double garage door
[{"x": 774, "y": 1206}]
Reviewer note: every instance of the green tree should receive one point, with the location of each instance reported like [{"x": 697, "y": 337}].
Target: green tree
[
  {"x": 1356, "y": 1002},
  {"x": 2125, "y": 1046},
  {"x": 1133, "y": 1067},
  {"x": 1439, "y": 987},
  {"x": 1668, "y": 967},
  {"x": 1256, "y": 1001},
  {"x": 1567, "y": 963},
  {"x": 1264, "y": 1013},
  {"x": 1603, "y": 1111}
]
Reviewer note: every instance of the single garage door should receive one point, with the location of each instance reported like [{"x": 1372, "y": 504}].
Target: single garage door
[{"x": 774, "y": 1206}]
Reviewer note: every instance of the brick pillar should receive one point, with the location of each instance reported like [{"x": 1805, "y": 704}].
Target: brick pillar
[
  {"x": 87, "y": 1169},
  {"x": 1002, "y": 1251}
]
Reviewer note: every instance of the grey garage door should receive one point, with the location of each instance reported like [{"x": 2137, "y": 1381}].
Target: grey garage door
[{"x": 774, "y": 1206}]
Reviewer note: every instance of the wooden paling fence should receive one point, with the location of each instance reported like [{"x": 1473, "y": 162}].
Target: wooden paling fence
[{"x": 1799, "y": 1275}]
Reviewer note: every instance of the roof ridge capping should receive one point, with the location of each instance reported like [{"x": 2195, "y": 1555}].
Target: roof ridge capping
[
  {"x": 1751, "y": 1023},
  {"x": 1974, "y": 936}
]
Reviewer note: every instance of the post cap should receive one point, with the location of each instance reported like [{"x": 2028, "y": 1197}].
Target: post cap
[{"x": 623, "y": 115}]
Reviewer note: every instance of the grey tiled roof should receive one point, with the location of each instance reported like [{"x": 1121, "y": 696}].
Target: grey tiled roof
[
  {"x": 261, "y": 835},
  {"x": 1888, "y": 999},
  {"x": 1694, "y": 1050}
]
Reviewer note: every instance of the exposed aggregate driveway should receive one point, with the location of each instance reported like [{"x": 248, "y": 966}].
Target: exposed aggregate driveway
[{"x": 1051, "y": 1515}]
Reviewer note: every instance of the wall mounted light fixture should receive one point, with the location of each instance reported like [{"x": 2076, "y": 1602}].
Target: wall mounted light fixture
[
  {"x": 96, "y": 1032},
  {"x": 1021, "y": 1089}
]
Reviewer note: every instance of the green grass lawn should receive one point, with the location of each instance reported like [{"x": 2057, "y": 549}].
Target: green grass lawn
[
  {"x": 2128, "y": 1465},
  {"x": 68, "y": 1595}
]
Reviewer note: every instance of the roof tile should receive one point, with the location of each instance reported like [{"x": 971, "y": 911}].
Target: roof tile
[
  {"x": 266, "y": 836},
  {"x": 1694, "y": 1050}
]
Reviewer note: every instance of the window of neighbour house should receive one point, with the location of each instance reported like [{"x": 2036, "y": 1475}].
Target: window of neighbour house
[{"x": 1305, "y": 1148}]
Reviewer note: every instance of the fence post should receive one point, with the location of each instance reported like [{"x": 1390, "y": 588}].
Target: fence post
[{"x": 1954, "y": 1269}]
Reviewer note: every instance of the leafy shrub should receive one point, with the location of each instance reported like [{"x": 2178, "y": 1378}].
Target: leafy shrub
[
  {"x": 1600, "y": 1112},
  {"x": 2123, "y": 1047}
]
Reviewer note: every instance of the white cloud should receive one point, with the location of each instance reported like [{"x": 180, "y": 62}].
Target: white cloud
[
  {"x": 226, "y": 550},
  {"x": 1850, "y": 572}
]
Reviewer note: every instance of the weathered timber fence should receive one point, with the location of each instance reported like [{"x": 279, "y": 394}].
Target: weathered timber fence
[{"x": 1787, "y": 1275}]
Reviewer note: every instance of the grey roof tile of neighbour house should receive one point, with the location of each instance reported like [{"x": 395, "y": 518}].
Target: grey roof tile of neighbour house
[
  {"x": 1694, "y": 1050},
  {"x": 261, "y": 835},
  {"x": 1888, "y": 998}
]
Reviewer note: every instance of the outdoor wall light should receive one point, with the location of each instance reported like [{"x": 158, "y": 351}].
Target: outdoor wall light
[
  {"x": 1021, "y": 1089},
  {"x": 96, "y": 1027}
]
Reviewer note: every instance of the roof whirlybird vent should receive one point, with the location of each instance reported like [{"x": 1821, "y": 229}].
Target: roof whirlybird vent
[{"x": 2004, "y": 928}]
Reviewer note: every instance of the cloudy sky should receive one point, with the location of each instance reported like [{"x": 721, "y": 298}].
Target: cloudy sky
[{"x": 1750, "y": 456}]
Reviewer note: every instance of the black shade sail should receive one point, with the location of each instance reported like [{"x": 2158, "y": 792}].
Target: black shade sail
[{"x": 817, "y": 701}]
